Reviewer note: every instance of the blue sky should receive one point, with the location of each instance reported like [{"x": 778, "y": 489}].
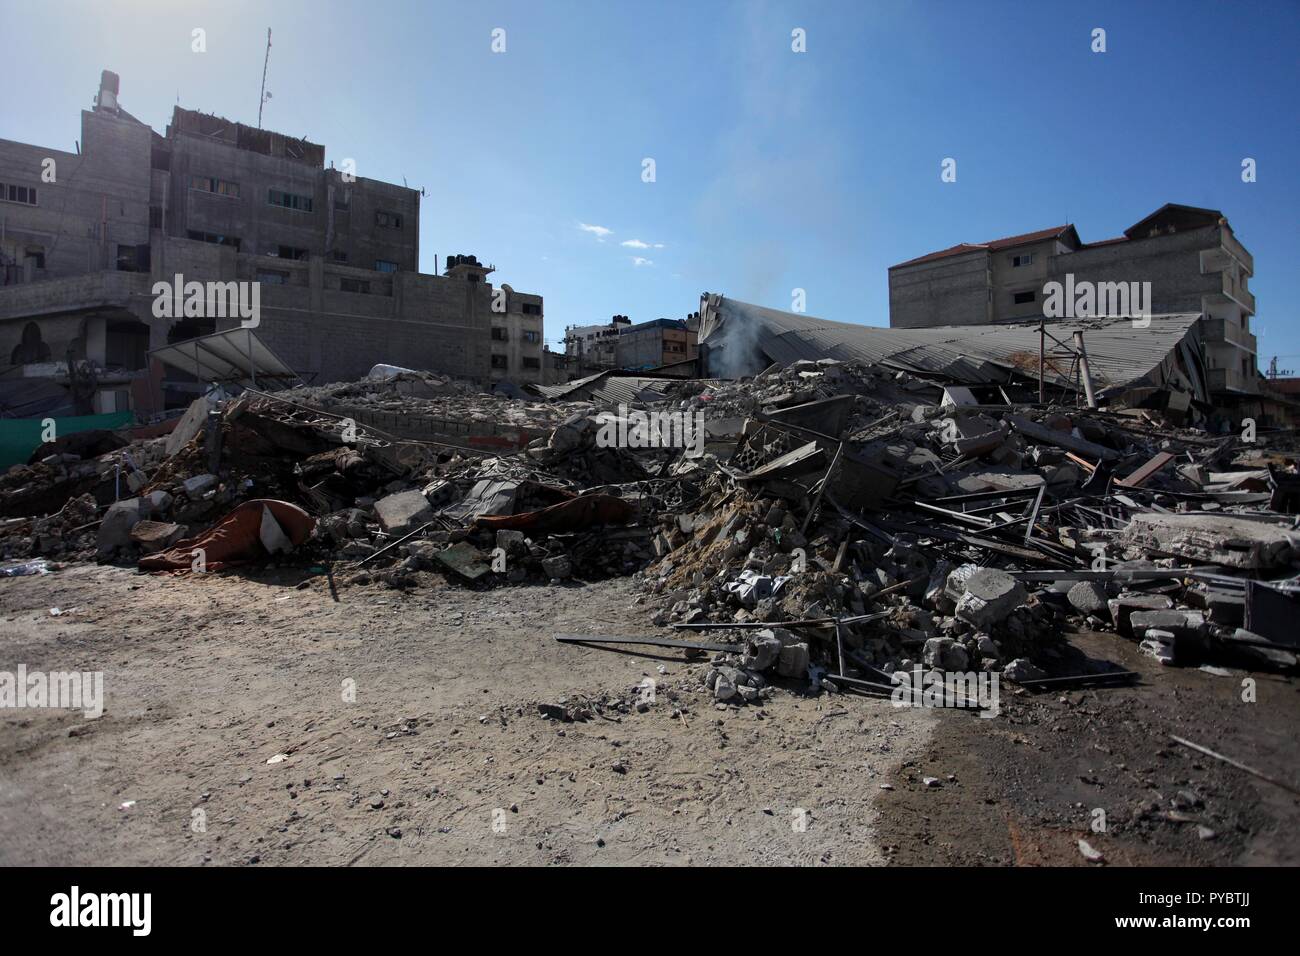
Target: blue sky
[{"x": 774, "y": 170}]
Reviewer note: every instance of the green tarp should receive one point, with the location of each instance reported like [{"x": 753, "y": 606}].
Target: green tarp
[{"x": 19, "y": 437}]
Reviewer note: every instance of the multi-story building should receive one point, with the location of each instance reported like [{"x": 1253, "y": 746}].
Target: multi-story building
[
  {"x": 86, "y": 235},
  {"x": 595, "y": 347},
  {"x": 1189, "y": 256},
  {"x": 656, "y": 343}
]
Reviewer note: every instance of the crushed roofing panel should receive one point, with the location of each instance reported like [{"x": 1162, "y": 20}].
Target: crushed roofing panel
[
  {"x": 743, "y": 338},
  {"x": 235, "y": 355}
]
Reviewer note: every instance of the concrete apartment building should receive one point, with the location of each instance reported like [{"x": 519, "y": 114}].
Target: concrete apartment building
[
  {"x": 659, "y": 342},
  {"x": 620, "y": 344},
  {"x": 1189, "y": 255},
  {"x": 595, "y": 347},
  {"x": 84, "y": 236}
]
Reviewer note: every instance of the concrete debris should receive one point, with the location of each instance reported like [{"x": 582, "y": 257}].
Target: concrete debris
[{"x": 856, "y": 520}]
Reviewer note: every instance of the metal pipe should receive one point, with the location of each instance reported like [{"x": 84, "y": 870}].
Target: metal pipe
[{"x": 1083, "y": 369}]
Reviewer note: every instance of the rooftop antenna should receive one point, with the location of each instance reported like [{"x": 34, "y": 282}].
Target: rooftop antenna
[{"x": 262, "y": 101}]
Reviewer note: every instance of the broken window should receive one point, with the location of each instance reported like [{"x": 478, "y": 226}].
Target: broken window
[
  {"x": 1023, "y": 298},
  {"x": 1022, "y": 260},
  {"x": 390, "y": 220},
  {"x": 531, "y": 361},
  {"x": 499, "y": 334},
  {"x": 355, "y": 285},
  {"x": 500, "y": 361}
]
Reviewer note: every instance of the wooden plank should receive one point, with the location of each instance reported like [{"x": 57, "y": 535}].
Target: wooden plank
[{"x": 1143, "y": 474}]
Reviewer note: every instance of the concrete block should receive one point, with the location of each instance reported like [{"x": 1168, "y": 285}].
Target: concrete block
[{"x": 403, "y": 512}]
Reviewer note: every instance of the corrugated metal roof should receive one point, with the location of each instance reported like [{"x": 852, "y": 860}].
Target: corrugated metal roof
[
  {"x": 742, "y": 338},
  {"x": 234, "y": 355},
  {"x": 612, "y": 388}
]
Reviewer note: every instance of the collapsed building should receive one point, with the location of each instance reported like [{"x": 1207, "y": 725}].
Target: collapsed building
[{"x": 832, "y": 525}]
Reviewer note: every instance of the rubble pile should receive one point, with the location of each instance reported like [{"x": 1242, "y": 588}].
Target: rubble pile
[{"x": 839, "y": 522}]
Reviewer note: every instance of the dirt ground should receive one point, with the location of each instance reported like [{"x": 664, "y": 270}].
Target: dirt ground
[{"x": 442, "y": 756}]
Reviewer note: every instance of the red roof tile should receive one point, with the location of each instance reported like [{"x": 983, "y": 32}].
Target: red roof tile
[{"x": 994, "y": 245}]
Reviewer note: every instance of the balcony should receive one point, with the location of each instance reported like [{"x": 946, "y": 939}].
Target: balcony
[
  {"x": 1226, "y": 332},
  {"x": 1231, "y": 380},
  {"x": 1237, "y": 250}
]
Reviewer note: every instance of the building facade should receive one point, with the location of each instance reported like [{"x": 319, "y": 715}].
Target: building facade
[
  {"x": 595, "y": 347},
  {"x": 659, "y": 342},
  {"x": 85, "y": 236},
  {"x": 1190, "y": 257}
]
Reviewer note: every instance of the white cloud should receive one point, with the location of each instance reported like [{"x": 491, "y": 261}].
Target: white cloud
[
  {"x": 600, "y": 232},
  {"x": 640, "y": 261},
  {"x": 638, "y": 244}
]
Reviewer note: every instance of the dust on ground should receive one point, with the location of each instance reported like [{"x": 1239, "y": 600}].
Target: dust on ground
[{"x": 443, "y": 757}]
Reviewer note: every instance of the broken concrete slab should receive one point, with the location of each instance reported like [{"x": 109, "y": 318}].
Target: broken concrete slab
[
  {"x": 115, "y": 529},
  {"x": 403, "y": 512},
  {"x": 154, "y": 536},
  {"x": 1227, "y": 540},
  {"x": 1088, "y": 597},
  {"x": 1124, "y": 606},
  {"x": 990, "y": 596}
]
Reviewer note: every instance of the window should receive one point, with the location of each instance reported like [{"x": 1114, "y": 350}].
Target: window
[
  {"x": 499, "y": 361},
  {"x": 383, "y": 265},
  {"x": 499, "y": 334},
  {"x": 37, "y": 256},
  {"x": 155, "y": 217},
  {"x": 532, "y": 338},
  {"x": 21, "y": 194},
  {"x": 531, "y": 308},
  {"x": 531, "y": 361},
  {"x": 289, "y": 252},
  {"x": 343, "y": 200},
  {"x": 355, "y": 285},
  {"x": 338, "y": 255},
  {"x": 278, "y": 197},
  {"x": 214, "y": 237},
  {"x": 1023, "y": 298},
  {"x": 210, "y": 184},
  {"x": 1023, "y": 260},
  {"x": 272, "y": 277},
  {"x": 389, "y": 220}
]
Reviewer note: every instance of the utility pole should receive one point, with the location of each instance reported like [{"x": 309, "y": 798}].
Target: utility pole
[
  {"x": 262, "y": 99},
  {"x": 1042, "y": 332}
]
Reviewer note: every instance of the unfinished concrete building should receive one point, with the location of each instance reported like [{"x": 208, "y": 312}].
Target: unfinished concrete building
[{"x": 87, "y": 234}]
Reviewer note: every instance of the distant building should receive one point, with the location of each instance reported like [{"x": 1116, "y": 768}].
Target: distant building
[
  {"x": 652, "y": 344},
  {"x": 1190, "y": 257},
  {"x": 595, "y": 347},
  {"x": 87, "y": 234}
]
